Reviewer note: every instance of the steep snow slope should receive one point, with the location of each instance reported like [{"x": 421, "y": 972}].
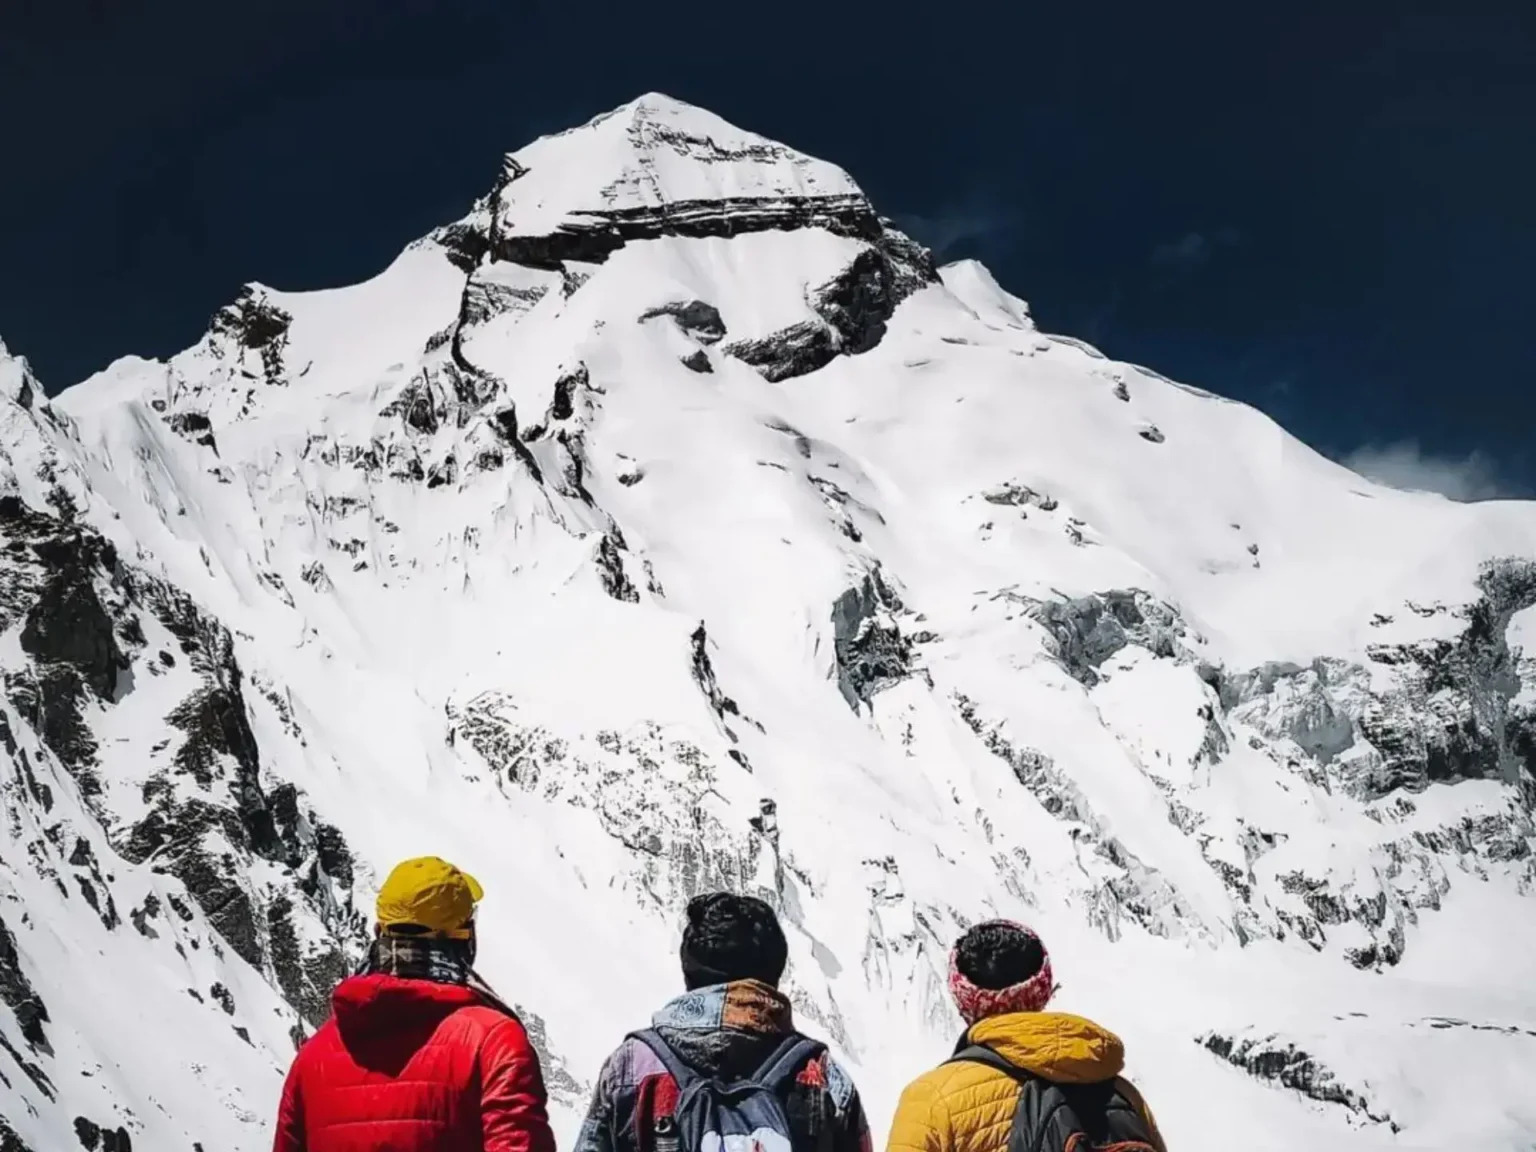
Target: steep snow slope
[{"x": 670, "y": 522}]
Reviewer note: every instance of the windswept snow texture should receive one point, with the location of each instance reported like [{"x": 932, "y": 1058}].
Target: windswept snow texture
[{"x": 670, "y": 522}]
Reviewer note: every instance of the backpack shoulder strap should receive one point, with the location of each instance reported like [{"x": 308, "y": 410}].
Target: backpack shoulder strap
[
  {"x": 786, "y": 1060},
  {"x": 680, "y": 1071},
  {"x": 981, "y": 1054},
  {"x": 1125, "y": 1118},
  {"x": 1039, "y": 1106}
]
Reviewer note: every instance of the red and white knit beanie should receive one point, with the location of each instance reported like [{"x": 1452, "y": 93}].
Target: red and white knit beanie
[{"x": 976, "y": 1004}]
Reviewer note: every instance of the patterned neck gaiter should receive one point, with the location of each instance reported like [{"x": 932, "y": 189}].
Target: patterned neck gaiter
[{"x": 419, "y": 958}]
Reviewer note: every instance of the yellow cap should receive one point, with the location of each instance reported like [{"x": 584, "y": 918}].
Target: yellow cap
[{"x": 431, "y": 893}]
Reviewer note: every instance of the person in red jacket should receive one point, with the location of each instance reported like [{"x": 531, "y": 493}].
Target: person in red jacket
[{"x": 418, "y": 1055}]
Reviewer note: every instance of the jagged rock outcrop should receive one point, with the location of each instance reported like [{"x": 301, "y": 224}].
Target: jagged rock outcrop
[
  {"x": 592, "y": 237},
  {"x": 442, "y": 395},
  {"x": 1121, "y": 886},
  {"x": 654, "y": 791},
  {"x": 1273, "y": 1059},
  {"x": 232, "y": 817},
  {"x": 1012, "y": 494},
  {"x": 252, "y": 319},
  {"x": 1445, "y": 714},
  {"x": 1449, "y": 716},
  {"x": 93, "y": 1136},
  {"x": 1087, "y": 630},
  {"x": 255, "y": 323},
  {"x": 722, "y": 705},
  {"x": 852, "y": 309},
  {"x": 499, "y": 288},
  {"x": 1317, "y": 722},
  {"x": 694, "y": 317},
  {"x": 568, "y": 385},
  {"x": 60, "y": 578},
  {"x": 84, "y": 627},
  {"x": 9, "y": 1141},
  {"x": 559, "y": 1081},
  {"x": 871, "y": 649},
  {"x": 609, "y": 560},
  {"x": 794, "y": 351},
  {"x": 193, "y": 426},
  {"x": 17, "y": 993}
]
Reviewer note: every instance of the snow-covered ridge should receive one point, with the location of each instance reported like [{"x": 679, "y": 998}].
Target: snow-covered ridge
[
  {"x": 654, "y": 167},
  {"x": 655, "y": 154},
  {"x": 671, "y": 521}
]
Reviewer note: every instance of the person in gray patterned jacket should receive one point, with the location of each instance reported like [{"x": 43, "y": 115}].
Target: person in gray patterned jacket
[{"x": 731, "y": 1021}]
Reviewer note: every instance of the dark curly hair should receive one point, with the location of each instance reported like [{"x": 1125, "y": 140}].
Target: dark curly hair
[
  {"x": 996, "y": 955},
  {"x": 730, "y": 937}
]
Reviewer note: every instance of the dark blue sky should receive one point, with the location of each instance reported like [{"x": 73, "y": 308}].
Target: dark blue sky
[{"x": 1323, "y": 209}]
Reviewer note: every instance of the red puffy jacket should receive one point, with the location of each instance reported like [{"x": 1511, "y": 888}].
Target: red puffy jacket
[{"x": 414, "y": 1066}]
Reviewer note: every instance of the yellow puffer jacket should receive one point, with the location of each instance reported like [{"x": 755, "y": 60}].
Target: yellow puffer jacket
[{"x": 966, "y": 1107}]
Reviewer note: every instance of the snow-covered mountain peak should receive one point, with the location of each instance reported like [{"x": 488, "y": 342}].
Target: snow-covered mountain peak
[
  {"x": 671, "y": 522},
  {"x": 16, "y": 380},
  {"x": 654, "y": 154}
]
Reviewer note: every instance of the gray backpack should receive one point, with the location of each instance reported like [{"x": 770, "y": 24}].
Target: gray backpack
[
  {"x": 737, "y": 1116},
  {"x": 1065, "y": 1117}
]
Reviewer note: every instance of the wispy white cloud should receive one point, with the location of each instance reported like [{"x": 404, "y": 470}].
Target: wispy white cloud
[
  {"x": 1405, "y": 465},
  {"x": 978, "y": 220},
  {"x": 1193, "y": 249}
]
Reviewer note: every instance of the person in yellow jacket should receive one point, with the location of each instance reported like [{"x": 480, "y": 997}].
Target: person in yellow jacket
[{"x": 1021, "y": 1076}]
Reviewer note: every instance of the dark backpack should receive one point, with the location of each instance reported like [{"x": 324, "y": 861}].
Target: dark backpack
[
  {"x": 739, "y": 1116},
  {"x": 1066, "y": 1117}
]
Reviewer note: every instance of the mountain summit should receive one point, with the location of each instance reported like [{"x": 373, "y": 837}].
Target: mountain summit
[
  {"x": 669, "y": 522},
  {"x": 654, "y": 155}
]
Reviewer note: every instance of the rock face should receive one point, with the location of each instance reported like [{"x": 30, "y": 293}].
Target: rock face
[
  {"x": 208, "y": 817},
  {"x": 670, "y": 523},
  {"x": 254, "y": 325},
  {"x": 852, "y": 309},
  {"x": 594, "y": 236},
  {"x": 1464, "y": 688},
  {"x": 9, "y": 1141},
  {"x": 700, "y": 320},
  {"x": 1270, "y": 1058},
  {"x": 231, "y": 818},
  {"x": 872, "y": 653},
  {"x": 651, "y": 792},
  {"x": 1088, "y": 630},
  {"x": 1447, "y": 711},
  {"x": 1121, "y": 889},
  {"x": 18, "y": 995},
  {"x": 135, "y": 788},
  {"x": 58, "y": 579},
  {"x": 1371, "y": 737}
]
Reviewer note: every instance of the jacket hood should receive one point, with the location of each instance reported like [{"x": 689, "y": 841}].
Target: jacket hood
[
  {"x": 741, "y": 1005},
  {"x": 1055, "y": 1046},
  {"x": 366, "y": 1005},
  {"x": 726, "y": 1029}
]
